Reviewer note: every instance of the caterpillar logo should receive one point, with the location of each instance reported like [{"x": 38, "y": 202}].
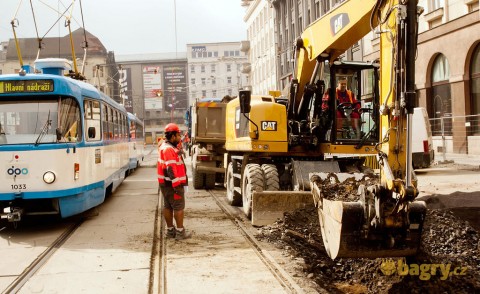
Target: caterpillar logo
[
  {"x": 269, "y": 125},
  {"x": 338, "y": 22}
]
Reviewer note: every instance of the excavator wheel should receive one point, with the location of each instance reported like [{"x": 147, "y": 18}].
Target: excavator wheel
[
  {"x": 271, "y": 179},
  {"x": 233, "y": 197},
  {"x": 252, "y": 181}
]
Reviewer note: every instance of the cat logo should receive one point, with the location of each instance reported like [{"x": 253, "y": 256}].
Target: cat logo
[{"x": 269, "y": 125}]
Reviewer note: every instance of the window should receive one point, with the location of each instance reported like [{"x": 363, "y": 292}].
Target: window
[
  {"x": 204, "y": 93},
  {"x": 192, "y": 81},
  {"x": 230, "y": 92},
  {"x": 440, "y": 101},
  {"x": 214, "y": 81},
  {"x": 213, "y": 68},
  {"x": 229, "y": 80},
  {"x": 475, "y": 89},
  {"x": 229, "y": 67},
  {"x": 209, "y": 54},
  {"x": 436, "y": 4},
  {"x": 92, "y": 120},
  {"x": 202, "y": 68},
  {"x": 194, "y": 54},
  {"x": 214, "y": 93},
  {"x": 203, "y": 81},
  {"x": 192, "y": 69},
  {"x": 215, "y": 53}
]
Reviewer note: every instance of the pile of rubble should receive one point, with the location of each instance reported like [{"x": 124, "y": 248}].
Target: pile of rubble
[{"x": 448, "y": 260}]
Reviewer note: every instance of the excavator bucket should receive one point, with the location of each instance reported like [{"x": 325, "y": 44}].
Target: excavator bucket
[
  {"x": 347, "y": 229},
  {"x": 268, "y": 206}
]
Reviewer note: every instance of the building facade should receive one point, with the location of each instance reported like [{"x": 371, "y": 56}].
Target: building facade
[
  {"x": 215, "y": 70},
  {"x": 154, "y": 87},
  {"x": 260, "y": 46}
]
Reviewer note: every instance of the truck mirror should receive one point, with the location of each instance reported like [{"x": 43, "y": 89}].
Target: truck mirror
[{"x": 244, "y": 97}]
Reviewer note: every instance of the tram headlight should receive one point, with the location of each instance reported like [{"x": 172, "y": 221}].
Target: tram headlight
[{"x": 49, "y": 177}]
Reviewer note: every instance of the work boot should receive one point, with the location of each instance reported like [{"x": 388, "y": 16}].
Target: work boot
[
  {"x": 171, "y": 233},
  {"x": 181, "y": 235}
]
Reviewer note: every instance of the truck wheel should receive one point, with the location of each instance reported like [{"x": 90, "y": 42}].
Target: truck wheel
[
  {"x": 209, "y": 181},
  {"x": 252, "y": 181},
  {"x": 198, "y": 179},
  {"x": 270, "y": 176},
  {"x": 233, "y": 197}
]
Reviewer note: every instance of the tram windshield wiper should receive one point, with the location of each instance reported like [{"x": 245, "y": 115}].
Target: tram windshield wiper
[{"x": 44, "y": 130}]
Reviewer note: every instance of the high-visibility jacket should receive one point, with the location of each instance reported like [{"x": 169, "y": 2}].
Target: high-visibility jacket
[
  {"x": 348, "y": 95},
  {"x": 171, "y": 168}
]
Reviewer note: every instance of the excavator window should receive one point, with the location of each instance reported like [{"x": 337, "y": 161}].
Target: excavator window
[{"x": 352, "y": 112}]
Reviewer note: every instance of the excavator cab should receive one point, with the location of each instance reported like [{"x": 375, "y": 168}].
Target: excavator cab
[{"x": 352, "y": 121}]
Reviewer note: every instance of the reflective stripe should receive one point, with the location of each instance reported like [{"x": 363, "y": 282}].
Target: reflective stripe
[{"x": 179, "y": 179}]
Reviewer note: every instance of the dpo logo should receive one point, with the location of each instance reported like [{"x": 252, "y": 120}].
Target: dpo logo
[{"x": 16, "y": 171}]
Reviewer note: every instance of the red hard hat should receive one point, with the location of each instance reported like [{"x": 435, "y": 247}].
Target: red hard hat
[{"x": 171, "y": 127}]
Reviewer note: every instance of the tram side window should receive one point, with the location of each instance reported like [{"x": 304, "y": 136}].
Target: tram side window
[
  {"x": 132, "y": 129},
  {"x": 125, "y": 127},
  {"x": 111, "y": 125},
  {"x": 139, "y": 131},
  {"x": 69, "y": 127},
  {"x": 117, "y": 126},
  {"x": 105, "y": 122},
  {"x": 92, "y": 120}
]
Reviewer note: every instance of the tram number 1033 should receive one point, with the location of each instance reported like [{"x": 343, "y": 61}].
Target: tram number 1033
[{"x": 19, "y": 187}]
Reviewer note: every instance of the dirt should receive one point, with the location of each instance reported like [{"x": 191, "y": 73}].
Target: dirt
[
  {"x": 335, "y": 188},
  {"x": 449, "y": 242}
]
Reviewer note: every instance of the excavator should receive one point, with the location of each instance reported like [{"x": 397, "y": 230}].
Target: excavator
[{"x": 280, "y": 148}]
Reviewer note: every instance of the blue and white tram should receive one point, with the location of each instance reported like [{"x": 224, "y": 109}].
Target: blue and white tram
[
  {"x": 136, "y": 145},
  {"x": 63, "y": 145}
]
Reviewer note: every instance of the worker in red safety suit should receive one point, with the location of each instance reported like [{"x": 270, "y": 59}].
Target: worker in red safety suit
[
  {"x": 172, "y": 177},
  {"x": 344, "y": 95}
]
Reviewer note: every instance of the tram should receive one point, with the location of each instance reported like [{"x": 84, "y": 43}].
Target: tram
[
  {"x": 136, "y": 145},
  {"x": 63, "y": 143}
]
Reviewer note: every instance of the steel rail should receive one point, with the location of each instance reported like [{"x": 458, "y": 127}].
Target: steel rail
[{"x": 29, "y": 271}]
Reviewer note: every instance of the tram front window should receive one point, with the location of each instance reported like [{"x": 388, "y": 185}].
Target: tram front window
[{"x": 37, "y": 122}]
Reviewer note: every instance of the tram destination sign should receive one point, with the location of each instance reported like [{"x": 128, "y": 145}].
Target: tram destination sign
[{"x": 26, "y": 86}]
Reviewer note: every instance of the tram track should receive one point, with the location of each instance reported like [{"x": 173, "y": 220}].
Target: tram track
[
  {"x": 43, "y": 258},
  {"x": 277, "y": 271}
]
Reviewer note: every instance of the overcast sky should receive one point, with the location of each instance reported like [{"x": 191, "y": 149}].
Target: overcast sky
[{"x": 131, "y": 26}]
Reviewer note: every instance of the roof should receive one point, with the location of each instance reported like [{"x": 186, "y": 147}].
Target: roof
[{"x": 29, "y": 46}]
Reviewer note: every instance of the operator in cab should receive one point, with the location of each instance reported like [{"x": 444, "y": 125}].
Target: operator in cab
[{"x": 345, "y": 101}]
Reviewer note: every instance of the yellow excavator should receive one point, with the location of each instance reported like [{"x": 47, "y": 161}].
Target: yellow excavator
[{"x": 280, "y": 149}]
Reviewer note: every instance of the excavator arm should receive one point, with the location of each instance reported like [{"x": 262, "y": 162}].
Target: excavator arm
[{"x": 385, "y": 221}]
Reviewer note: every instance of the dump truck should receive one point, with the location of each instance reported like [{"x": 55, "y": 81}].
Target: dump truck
[
  {"x": 301, "y": 148},
  {"x": 207, "y": 142}
]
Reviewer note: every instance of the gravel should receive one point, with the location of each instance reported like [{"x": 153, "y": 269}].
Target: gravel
[{"x": 446, "y": 240}]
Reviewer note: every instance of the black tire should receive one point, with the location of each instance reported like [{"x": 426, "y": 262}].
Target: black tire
[
  {"x": 198, "y": 179},
  {"x": 270, "y": 176},
  {"x": 209, "y": 181},
  {"x": 252, "y": 181},
  {"x": 233, "y": 198}
]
